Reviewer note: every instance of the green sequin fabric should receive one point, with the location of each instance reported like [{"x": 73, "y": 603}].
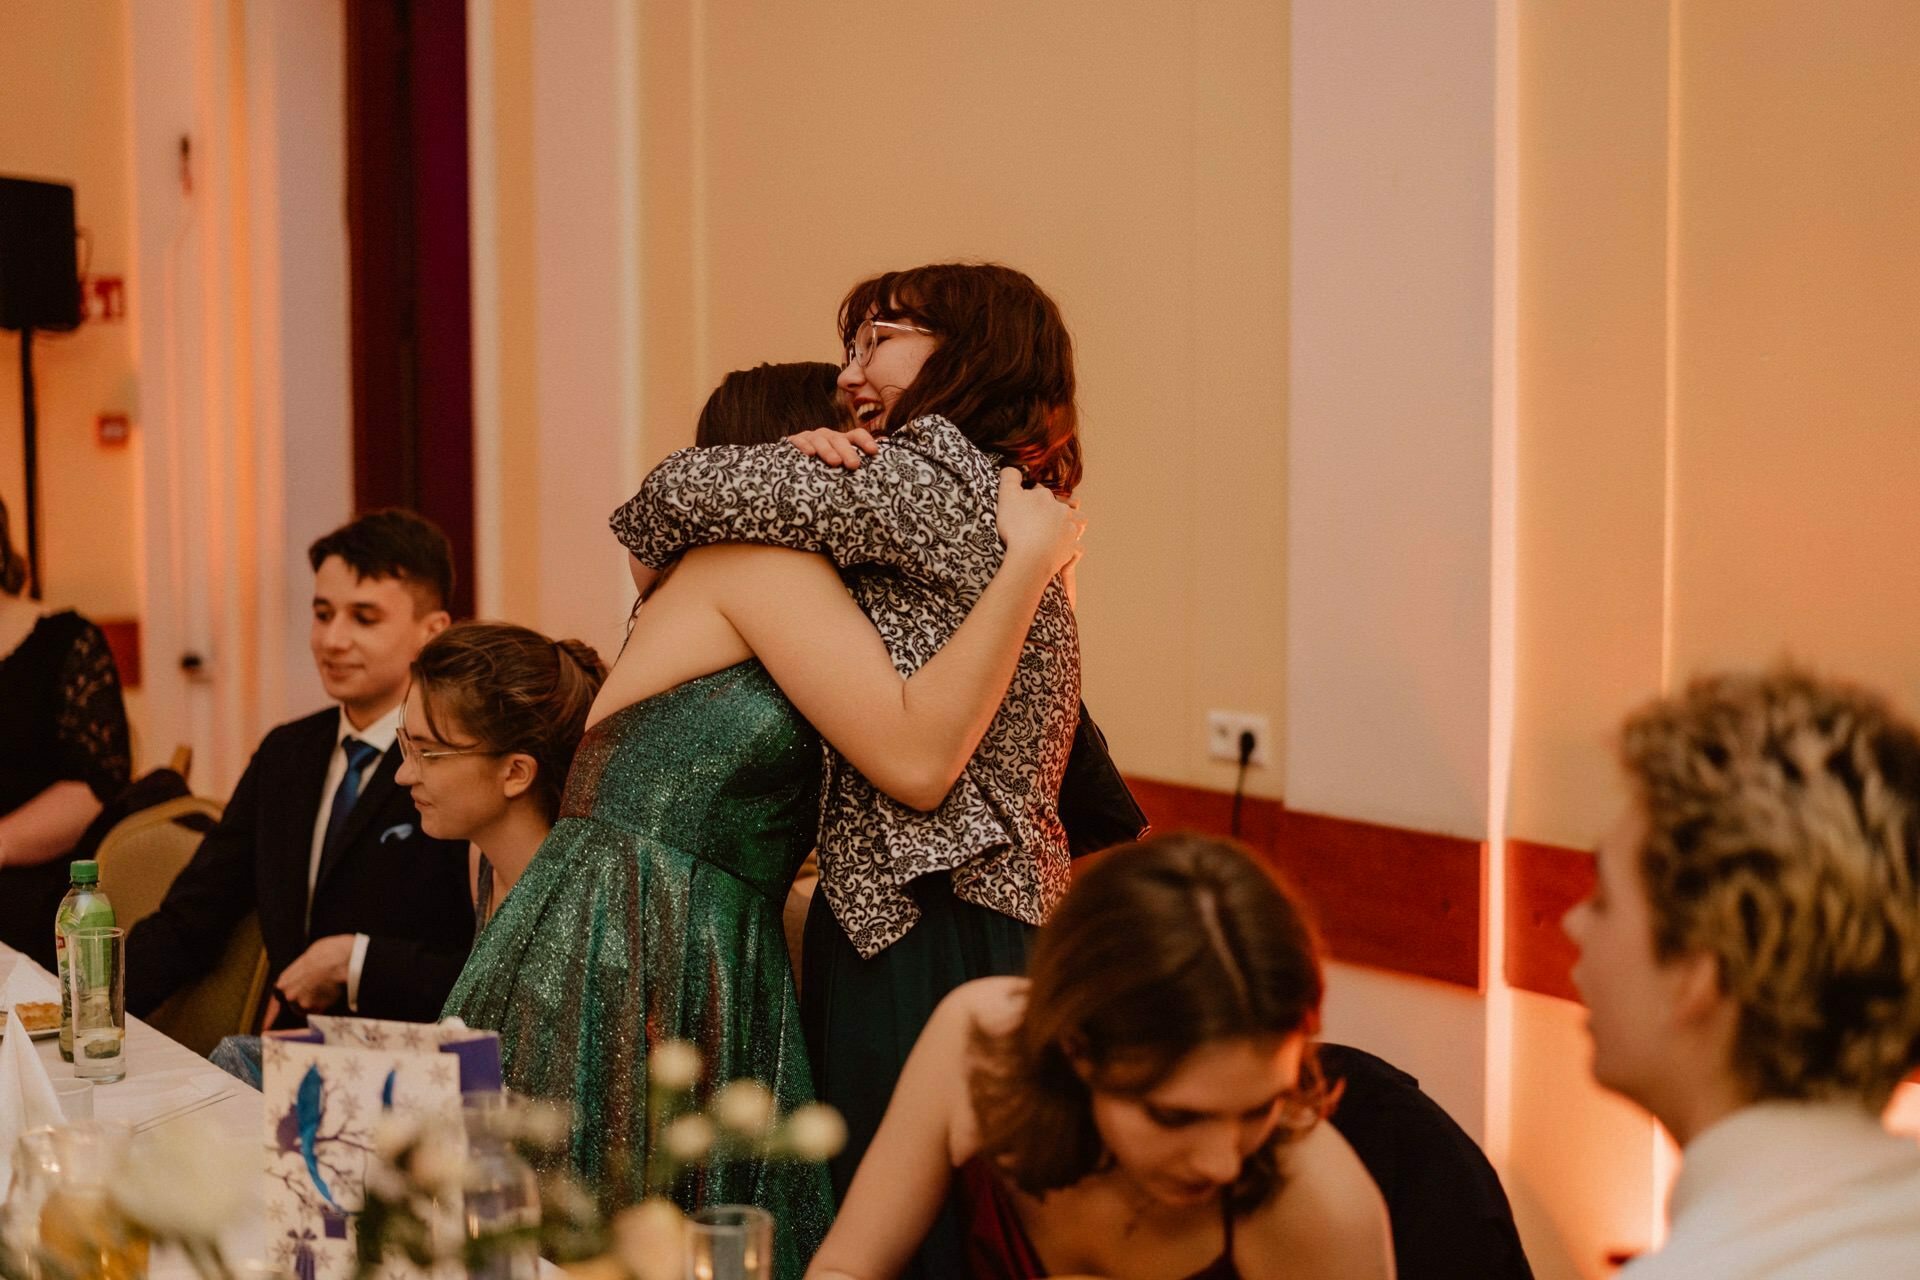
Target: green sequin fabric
[{"x": 652, "y": 913}]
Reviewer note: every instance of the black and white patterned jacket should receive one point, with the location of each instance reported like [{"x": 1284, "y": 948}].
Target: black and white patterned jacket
[{"x": 913, "y": 534}]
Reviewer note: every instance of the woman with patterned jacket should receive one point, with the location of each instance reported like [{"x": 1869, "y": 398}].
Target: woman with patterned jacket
[{"x": 961, "y": 369}]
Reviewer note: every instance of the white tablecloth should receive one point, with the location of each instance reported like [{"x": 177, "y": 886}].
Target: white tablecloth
[{"x": 168, "y": 1084}]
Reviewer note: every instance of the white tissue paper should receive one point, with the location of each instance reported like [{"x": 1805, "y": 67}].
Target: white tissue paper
[{"x": 26, "y": 1093}]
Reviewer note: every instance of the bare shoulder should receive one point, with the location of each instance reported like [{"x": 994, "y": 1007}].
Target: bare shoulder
[
  {"x": 751, "y": 556},
  {"x": 730, "y": 567},
  {"x": 993, "y": 1006},
  {"x": 1328, "y": 1220}
]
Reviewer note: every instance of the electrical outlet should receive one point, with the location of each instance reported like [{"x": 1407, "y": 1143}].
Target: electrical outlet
[{"x": 1223, "y": 735}]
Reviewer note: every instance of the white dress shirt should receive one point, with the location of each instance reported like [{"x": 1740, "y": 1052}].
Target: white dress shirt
[
  {"x": 1793, "y": 1191},
  {"x": 379, "y": 735}
]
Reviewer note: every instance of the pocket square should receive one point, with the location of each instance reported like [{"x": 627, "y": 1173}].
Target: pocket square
[{"x": 400, "y": 832}]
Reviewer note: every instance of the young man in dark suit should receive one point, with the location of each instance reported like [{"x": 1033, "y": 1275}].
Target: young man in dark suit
[{"x": 360, "y": 910}]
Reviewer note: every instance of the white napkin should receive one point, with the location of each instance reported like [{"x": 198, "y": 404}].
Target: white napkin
[{"x": 26, "y": 1093}]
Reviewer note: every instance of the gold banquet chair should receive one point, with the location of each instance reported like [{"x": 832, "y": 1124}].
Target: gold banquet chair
[
  {"x": 139, "y": 859},
  {"x": 143, "y": 853},
  {"x": 226, "y": 1002}
]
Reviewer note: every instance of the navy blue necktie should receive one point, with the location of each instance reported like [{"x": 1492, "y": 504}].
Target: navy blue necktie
[{"x": 359, "y": 754}]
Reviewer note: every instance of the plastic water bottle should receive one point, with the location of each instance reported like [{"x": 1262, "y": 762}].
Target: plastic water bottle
[{"x": 84, "y": 907}]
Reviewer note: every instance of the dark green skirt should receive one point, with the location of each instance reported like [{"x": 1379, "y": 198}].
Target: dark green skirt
[{"x": 861, "y": 1017}]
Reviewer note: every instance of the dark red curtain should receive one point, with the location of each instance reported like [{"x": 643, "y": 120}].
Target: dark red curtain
[{"x": 411, "y": 340}]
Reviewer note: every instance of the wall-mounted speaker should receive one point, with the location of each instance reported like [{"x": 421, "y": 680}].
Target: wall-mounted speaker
[{"x": 39, "y": 262}]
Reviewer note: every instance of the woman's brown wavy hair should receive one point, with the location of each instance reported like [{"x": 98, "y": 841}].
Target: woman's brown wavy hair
[
  {"x": 1003, "y": 369},
  {"x": 513, "y": 691},
  {"x": 1161, "y": 947}
]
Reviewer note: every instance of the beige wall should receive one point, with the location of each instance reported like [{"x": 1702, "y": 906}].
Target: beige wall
[
  {"x": 1107, "y": 134},
  {"x": 1720, "y": 309},
  {"x": 51, "y": 130},
  {"x": 1713, "y": 326}
]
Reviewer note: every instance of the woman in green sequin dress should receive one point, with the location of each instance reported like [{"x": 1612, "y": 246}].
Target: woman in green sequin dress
[{"x": 652, "y": 911}]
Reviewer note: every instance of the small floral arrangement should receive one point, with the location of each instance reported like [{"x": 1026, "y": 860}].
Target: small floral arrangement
[
  {"x": 426, "y": 1166},
  {"x": 176, "y": 1186}
]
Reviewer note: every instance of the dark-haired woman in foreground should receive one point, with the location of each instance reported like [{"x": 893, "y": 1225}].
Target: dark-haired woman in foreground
[{"x": 1146, "y": 1104}]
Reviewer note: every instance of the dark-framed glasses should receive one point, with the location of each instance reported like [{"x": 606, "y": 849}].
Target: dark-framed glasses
[{"x": 869, "y": 335}]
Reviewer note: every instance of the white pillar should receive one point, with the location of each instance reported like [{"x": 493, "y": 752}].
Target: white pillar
[
  {"x": 302, "y": 382},
  {"x": 587, "y": 309},
  {"x": 1399, "y": 626},
  {"x": 238, "y": 305}
]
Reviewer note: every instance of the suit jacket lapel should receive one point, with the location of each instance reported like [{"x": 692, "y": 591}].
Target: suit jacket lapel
[
  {"x": 373, "y": 796},
  {"x": 283, "y": 897}
]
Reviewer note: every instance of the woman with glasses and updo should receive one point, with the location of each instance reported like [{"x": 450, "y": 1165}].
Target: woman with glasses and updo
[
  {"x": 954, "y": 371},
  {"x": 1147, "y": 1102},
  {"x": 652, "y": 912},
  {"x": 493, "y": 717}
]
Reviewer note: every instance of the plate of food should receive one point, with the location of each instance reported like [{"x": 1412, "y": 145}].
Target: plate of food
[{"x": 38, "y": 1018}]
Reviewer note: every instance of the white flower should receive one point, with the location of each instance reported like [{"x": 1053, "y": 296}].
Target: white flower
[
  {"x": 651, "y": 1240},
  {"x": 438, "y": 1164},
  {"x": 688, "y": 1138},
  {"x": 570, "y": 1200},
  {"x": 384, "y": 1181},
  {"x": 393, "y": 1133},
  {"x": 181, "y": 1183},
  {"x": 674, "y": 1065},
  {"x": 546, "y": 1124},
  {"x": 816, "y": 1132},
  {"x": 745, "y": 1106}
]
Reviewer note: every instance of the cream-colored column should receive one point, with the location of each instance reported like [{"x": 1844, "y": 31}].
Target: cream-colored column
[
  {"x": 238, "y": 307},
  {"x": 586, "y": 227},
  {"x": 1597, "y": 103},
  {"x": 1399, "y": 492},
  {"x": 296, "y": 317}
]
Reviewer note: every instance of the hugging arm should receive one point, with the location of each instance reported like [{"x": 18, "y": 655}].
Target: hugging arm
[
  {"x": 911, "y": 737},
  {"x": 902, "y": 509}
]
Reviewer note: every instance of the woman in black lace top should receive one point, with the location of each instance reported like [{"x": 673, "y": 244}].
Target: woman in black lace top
[{"x": 63, "y": 751}]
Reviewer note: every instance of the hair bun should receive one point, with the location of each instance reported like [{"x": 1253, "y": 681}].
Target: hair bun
[{"x": 584, "y": 656}]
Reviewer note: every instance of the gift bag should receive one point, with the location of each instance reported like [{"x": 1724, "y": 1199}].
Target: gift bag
[{"x": 326, "y": 1088}]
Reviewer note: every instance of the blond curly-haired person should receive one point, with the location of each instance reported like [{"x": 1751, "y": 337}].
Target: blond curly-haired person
[{"x": 1750, "y": 959}]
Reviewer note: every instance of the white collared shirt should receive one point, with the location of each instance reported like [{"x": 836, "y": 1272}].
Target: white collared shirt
[
  {"x": 1793, "y": 1191},
  {"x": 380, "y": 735}
]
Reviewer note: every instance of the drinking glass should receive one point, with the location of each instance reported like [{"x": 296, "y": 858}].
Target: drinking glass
[
  {"x": 36, "y": 1168},
  {"x": 76, "y": 1235},
  {"x": 500, "y": 1192},
  {"x": 76, "y": 1098},
  {"x": 97, "y": 983},
  {"x": 730, "y": 1242}
]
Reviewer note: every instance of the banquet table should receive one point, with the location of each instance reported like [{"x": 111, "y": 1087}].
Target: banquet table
[{"x": 168, "y": 1084}]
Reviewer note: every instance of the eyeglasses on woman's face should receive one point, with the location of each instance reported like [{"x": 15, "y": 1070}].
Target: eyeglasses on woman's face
[
  {"x": 871, "y": 334},
  {"x": 419, "y": 757}
]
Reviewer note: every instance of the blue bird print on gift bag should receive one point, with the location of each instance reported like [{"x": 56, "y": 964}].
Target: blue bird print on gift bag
[{"x": 299, "y": 1129}]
